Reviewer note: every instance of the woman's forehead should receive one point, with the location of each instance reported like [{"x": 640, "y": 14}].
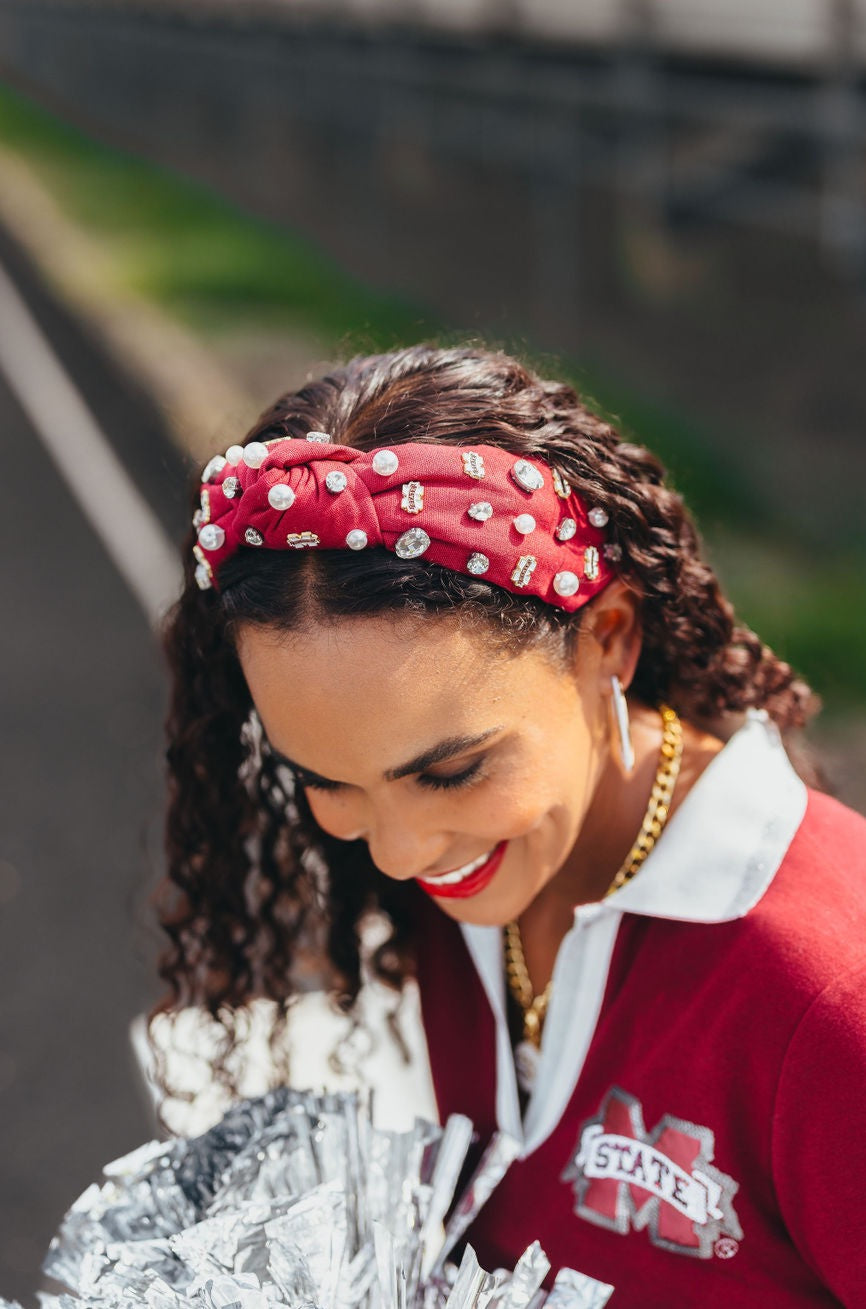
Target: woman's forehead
[
  {"x": 385, "y": 684},
  {"x": 371, "y": 661}
]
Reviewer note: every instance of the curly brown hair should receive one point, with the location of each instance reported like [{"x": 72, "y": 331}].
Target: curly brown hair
[{"x": 256, "y": 894}]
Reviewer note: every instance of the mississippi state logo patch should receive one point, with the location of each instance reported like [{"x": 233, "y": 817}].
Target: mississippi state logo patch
[{"x": 628, "y": 1179}]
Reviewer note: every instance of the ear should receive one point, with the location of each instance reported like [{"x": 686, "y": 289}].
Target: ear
[{"x": 615, "y": 624}]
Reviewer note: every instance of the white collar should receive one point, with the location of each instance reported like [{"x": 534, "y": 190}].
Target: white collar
[{"x": 723, "y": 846}]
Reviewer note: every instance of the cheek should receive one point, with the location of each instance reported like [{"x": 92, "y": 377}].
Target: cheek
[
  {"x": 547, "y": 806},
  {"x": 528, "y": 807},
  {"x": 335, "y": 813}
]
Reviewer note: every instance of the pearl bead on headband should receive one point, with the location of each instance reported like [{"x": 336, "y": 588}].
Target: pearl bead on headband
[{"x": 476, "y": 509}]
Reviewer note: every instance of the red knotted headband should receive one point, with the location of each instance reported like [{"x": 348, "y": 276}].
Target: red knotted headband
[{"x": 476, "y": 509}]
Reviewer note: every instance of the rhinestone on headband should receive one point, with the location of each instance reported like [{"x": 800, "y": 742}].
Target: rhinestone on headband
[
  {"x": 321, "y": 438},
  {"x": 281, "y": 497},
  {"x": 527, "y": 475},
  {"x": 481, "y": 510},
  {"x": 598, "y": 517},
  {"x": 566, "y": 530},
  {"x": 412, "y": 543},
  {"x": 385, "y": 462},
  {"x": 212, "y": 467},
  {"x": 253, "y": 537},
  {"x": 336, "y": 481},
  {"x": 477, "y": 563},
  {"x": 212, "y": 537},
  {"x": 231, "y": 486},
  {"x": 255, "y": 454},
  {"x": 566, "y": 583}
]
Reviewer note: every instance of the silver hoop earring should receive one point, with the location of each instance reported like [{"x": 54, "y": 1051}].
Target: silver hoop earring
[{"x": 620, "y": 718}]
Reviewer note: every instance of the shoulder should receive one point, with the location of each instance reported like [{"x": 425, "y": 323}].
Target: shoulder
[
  {"x": 830, "y": 831},
  {"x": 810, "y": 924},
  {"x": 824, "y": 866},
  {"x": 818, "y": 1146}
]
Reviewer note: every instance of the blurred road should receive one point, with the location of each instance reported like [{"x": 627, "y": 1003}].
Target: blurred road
[{"x": 81, "y": 704}]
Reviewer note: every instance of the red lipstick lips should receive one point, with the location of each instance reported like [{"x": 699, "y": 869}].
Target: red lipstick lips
[{"x": 471, "y": 884}]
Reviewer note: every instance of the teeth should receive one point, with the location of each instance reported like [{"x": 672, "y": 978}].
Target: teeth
[{"x": 448, "y": 879}]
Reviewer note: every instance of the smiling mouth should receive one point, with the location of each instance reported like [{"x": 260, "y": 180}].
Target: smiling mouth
[
  {"x": 468, "y": 879},
  {"x": 458, "y": 874}
]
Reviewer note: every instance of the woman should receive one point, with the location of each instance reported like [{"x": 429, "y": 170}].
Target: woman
[{"x": 448, "y": 651}]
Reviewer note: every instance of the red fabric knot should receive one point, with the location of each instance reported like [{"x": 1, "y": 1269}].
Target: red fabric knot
[{"x": 459, "y": 505}]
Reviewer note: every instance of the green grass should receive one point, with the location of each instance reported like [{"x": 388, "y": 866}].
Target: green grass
[
  {"x": 217, "y": 268},
  {"x": 180, "y": 244},
  {"x": 810, "y": 609}
]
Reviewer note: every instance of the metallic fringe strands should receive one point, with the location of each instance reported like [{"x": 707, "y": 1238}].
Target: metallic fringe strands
[{"x": 295, "y": 1201}]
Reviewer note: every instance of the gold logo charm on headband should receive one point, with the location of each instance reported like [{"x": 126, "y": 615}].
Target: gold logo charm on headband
[
  {"x": 591, "y": 563},
  {"x": 301, "y": 540},
  {"x": 413, "y": 497},
  {"x": 523, "y": 570},
  {"x": 560, "y": 486},
  {"x": 473, "y": 464}
]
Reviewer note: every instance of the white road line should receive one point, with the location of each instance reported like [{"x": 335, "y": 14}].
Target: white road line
[{"x": 118, "y": 513}]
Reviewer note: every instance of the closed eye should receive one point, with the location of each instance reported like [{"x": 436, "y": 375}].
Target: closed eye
[
  {"x": 432, "y": 781},
  {"x": 313, "y": 780},
  {"x": 453, "y": 780}
]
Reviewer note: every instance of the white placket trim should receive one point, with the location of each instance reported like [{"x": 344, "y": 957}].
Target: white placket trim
[
  {"x": 579, "y": 984},
  {"x": 485, "y": 945},
  {"x": 581, "y": 970}
]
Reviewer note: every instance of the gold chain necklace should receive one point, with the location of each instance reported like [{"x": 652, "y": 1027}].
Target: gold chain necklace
[{"x": 534, "y": 1007}]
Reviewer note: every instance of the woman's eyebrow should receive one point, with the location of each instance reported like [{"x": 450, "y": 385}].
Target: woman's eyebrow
[{"x": 437, "y": 754}]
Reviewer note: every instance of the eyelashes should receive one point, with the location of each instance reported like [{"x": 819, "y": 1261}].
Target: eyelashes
[
  {"x": 316, "y": 783},
  {"x": 428, "y": 780},
  {"x": 454, "y": 781}
]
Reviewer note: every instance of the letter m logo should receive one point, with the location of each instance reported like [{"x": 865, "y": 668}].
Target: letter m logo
[{"x": 627, "y": 1179}]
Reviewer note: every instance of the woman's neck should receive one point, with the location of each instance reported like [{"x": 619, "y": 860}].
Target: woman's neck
[{"x": 608, "y": 833}]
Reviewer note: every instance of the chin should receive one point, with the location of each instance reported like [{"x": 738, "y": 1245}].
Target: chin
[
  {"x": 503, "y": 898},
  {"x": 487, "y": 909}
]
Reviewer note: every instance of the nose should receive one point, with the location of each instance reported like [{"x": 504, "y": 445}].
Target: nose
[
  {"x": 402, "y": 852},
  {"x": 401, "y": 844}
]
